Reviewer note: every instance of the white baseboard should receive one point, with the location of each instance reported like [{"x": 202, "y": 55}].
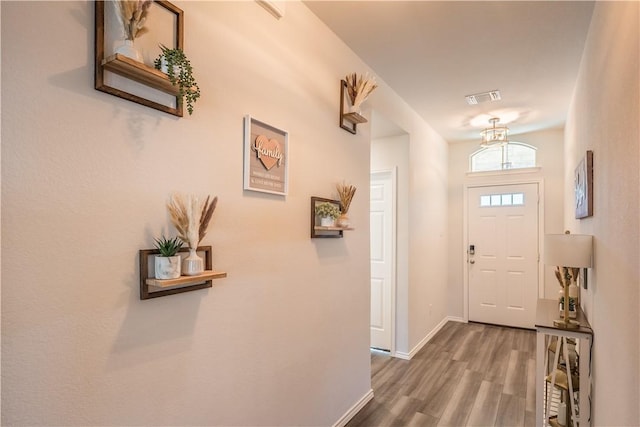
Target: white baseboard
[
  {"x": 427, "y": 338},
  {"x": 456, "y": 319},
  {"x": 402, "y": 355},
  {"x": 354, "y": 409}
]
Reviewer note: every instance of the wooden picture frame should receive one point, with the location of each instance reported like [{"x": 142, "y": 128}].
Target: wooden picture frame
[
  {"x": 266, "y": 158},
  {"x": 583, "y": 187},
  {"x": 128, "y": 78}
]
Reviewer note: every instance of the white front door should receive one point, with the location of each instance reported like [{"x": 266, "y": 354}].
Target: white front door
[
  {"x": 381, "y": 259},
  {"x": 503, "y": 254}
]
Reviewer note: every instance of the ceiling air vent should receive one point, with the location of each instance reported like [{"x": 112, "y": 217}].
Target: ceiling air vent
[{"x": 478, "y": 98}]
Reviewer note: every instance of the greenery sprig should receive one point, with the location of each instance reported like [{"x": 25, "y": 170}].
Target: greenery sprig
[
  {"x": 180, "y": 73},
  {"x": 327, "y": 209},
  {"x": 168, "y": 247}
]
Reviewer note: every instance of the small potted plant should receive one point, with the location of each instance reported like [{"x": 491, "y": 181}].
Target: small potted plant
[
  {"x": 168, "y": 262},
  {"x": 174, "y": 63},
  {"x": 328, "y": 212}
]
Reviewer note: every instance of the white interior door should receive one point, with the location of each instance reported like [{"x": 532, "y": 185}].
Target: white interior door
[
  {"x": 381, "y": 259},
  {"x": 503, "y": 270}
]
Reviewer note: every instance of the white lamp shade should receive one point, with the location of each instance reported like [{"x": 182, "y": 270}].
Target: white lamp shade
[{"x": 568, "y": 250}]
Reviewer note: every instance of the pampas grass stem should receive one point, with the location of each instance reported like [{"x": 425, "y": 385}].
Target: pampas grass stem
[
  {"x": 345, "y": 193},
  {"x": 191, "y": 217}
]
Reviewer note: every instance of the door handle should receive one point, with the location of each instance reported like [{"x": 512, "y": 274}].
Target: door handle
[{"x": 472, "y": 261}]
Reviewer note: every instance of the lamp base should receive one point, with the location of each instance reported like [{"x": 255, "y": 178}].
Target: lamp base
[{"x": 566, "y": 324}]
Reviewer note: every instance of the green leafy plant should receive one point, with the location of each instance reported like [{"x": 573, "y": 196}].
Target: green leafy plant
[
  {"x": 168, "y": 247},
  {"x": 327, "y": 209},
  {"x": 180, "y": 73}
]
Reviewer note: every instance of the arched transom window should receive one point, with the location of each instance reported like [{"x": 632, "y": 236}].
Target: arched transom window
[{"x": 514, "y": 155}]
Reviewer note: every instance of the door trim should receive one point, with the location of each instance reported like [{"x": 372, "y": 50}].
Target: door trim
[
  {"x": 465, "y": 230},
  {"x": 393, "y": 174}
]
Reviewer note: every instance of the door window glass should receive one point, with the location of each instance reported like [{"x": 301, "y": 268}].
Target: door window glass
[{"x": 504, "y": 199}]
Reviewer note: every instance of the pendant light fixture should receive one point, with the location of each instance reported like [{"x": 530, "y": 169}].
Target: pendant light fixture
[{"x": 495, "y": 135}]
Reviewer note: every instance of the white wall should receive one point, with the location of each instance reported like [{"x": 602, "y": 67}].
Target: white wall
[
  {"x": 604, "y": 117},
  {"x": 427, "y": 216},
  {"x": 284, "y": 340},
  {"x": 392, "y": 153},
  {"x": 549, "y": 154}
]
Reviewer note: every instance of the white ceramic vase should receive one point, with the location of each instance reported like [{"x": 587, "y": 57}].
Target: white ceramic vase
[
  {"x": 127, "y": 49},
  {"x": 354, "y": 109},
  {"x": 167, "y": 267},
  {"x": 193, "y": 264}
]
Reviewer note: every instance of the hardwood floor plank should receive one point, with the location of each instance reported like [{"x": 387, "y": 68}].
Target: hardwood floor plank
[
  {"x": 485, "y": 407},
  {"x": 431, "y": 351},
  {"x": 530, "y": 418},
  {"x": 404, "y": 410},
  {"x": 462, "y": 400},
  {"x": 531, "y": 386},
  {"x": 510, "y": 411},
  {"x": 469, "y": 347},
  {"x": 429, "y": 377},
  {"x": 422, "y": 420},
  {"x": 484, "y": 349},
  {"x": 500, "y": 356},
  {"x": 515, "y": 382},
  {"x": 468, "y": 374},
  {"x": 437, "y": 397},
  {"x": 375, "y": 413},
  {"x": 451, "y": 336},
  {"x": 524, "y": 340}
]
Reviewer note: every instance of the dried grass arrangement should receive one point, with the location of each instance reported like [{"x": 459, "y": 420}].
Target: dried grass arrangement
[
  {"x": 566, "y": 275},
  {"x": 345, "y": 193},
  {"x": 191, "y": 216},
  {"x": 359, "y": 88},
  {"x": 132, "y": 15}
]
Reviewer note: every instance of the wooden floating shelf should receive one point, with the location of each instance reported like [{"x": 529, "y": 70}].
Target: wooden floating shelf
[
  {"x": 139, "y": 72},
  {"x": 184, "y": 280},
  {"x": 321, "y": 228},
  {"x": 150, "y": 287},
  {"x": 354, "y": 118}
]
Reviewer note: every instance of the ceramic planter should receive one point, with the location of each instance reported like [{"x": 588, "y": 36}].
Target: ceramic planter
[{"x": 167, "y": 267}]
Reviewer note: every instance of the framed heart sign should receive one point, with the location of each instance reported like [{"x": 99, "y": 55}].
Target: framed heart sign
[{"x": 266, "y": 160}]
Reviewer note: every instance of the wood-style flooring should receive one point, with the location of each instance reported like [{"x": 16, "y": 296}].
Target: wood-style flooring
[{"x": 466, "y": 375}]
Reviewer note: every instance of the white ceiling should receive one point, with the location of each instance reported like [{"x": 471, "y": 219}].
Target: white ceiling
[{"x": 433, "y": 53}]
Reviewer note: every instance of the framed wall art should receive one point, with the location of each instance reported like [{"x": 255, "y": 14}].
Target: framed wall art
[
  {"x": 583, "y": 186},
  {"x": 266, "y": 159}
]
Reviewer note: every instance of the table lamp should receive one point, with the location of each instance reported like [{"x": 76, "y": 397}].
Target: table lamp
[{"x": 572, "y": 251}]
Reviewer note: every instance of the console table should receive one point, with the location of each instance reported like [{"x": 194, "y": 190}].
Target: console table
[{"x": 549, "y": 374}]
